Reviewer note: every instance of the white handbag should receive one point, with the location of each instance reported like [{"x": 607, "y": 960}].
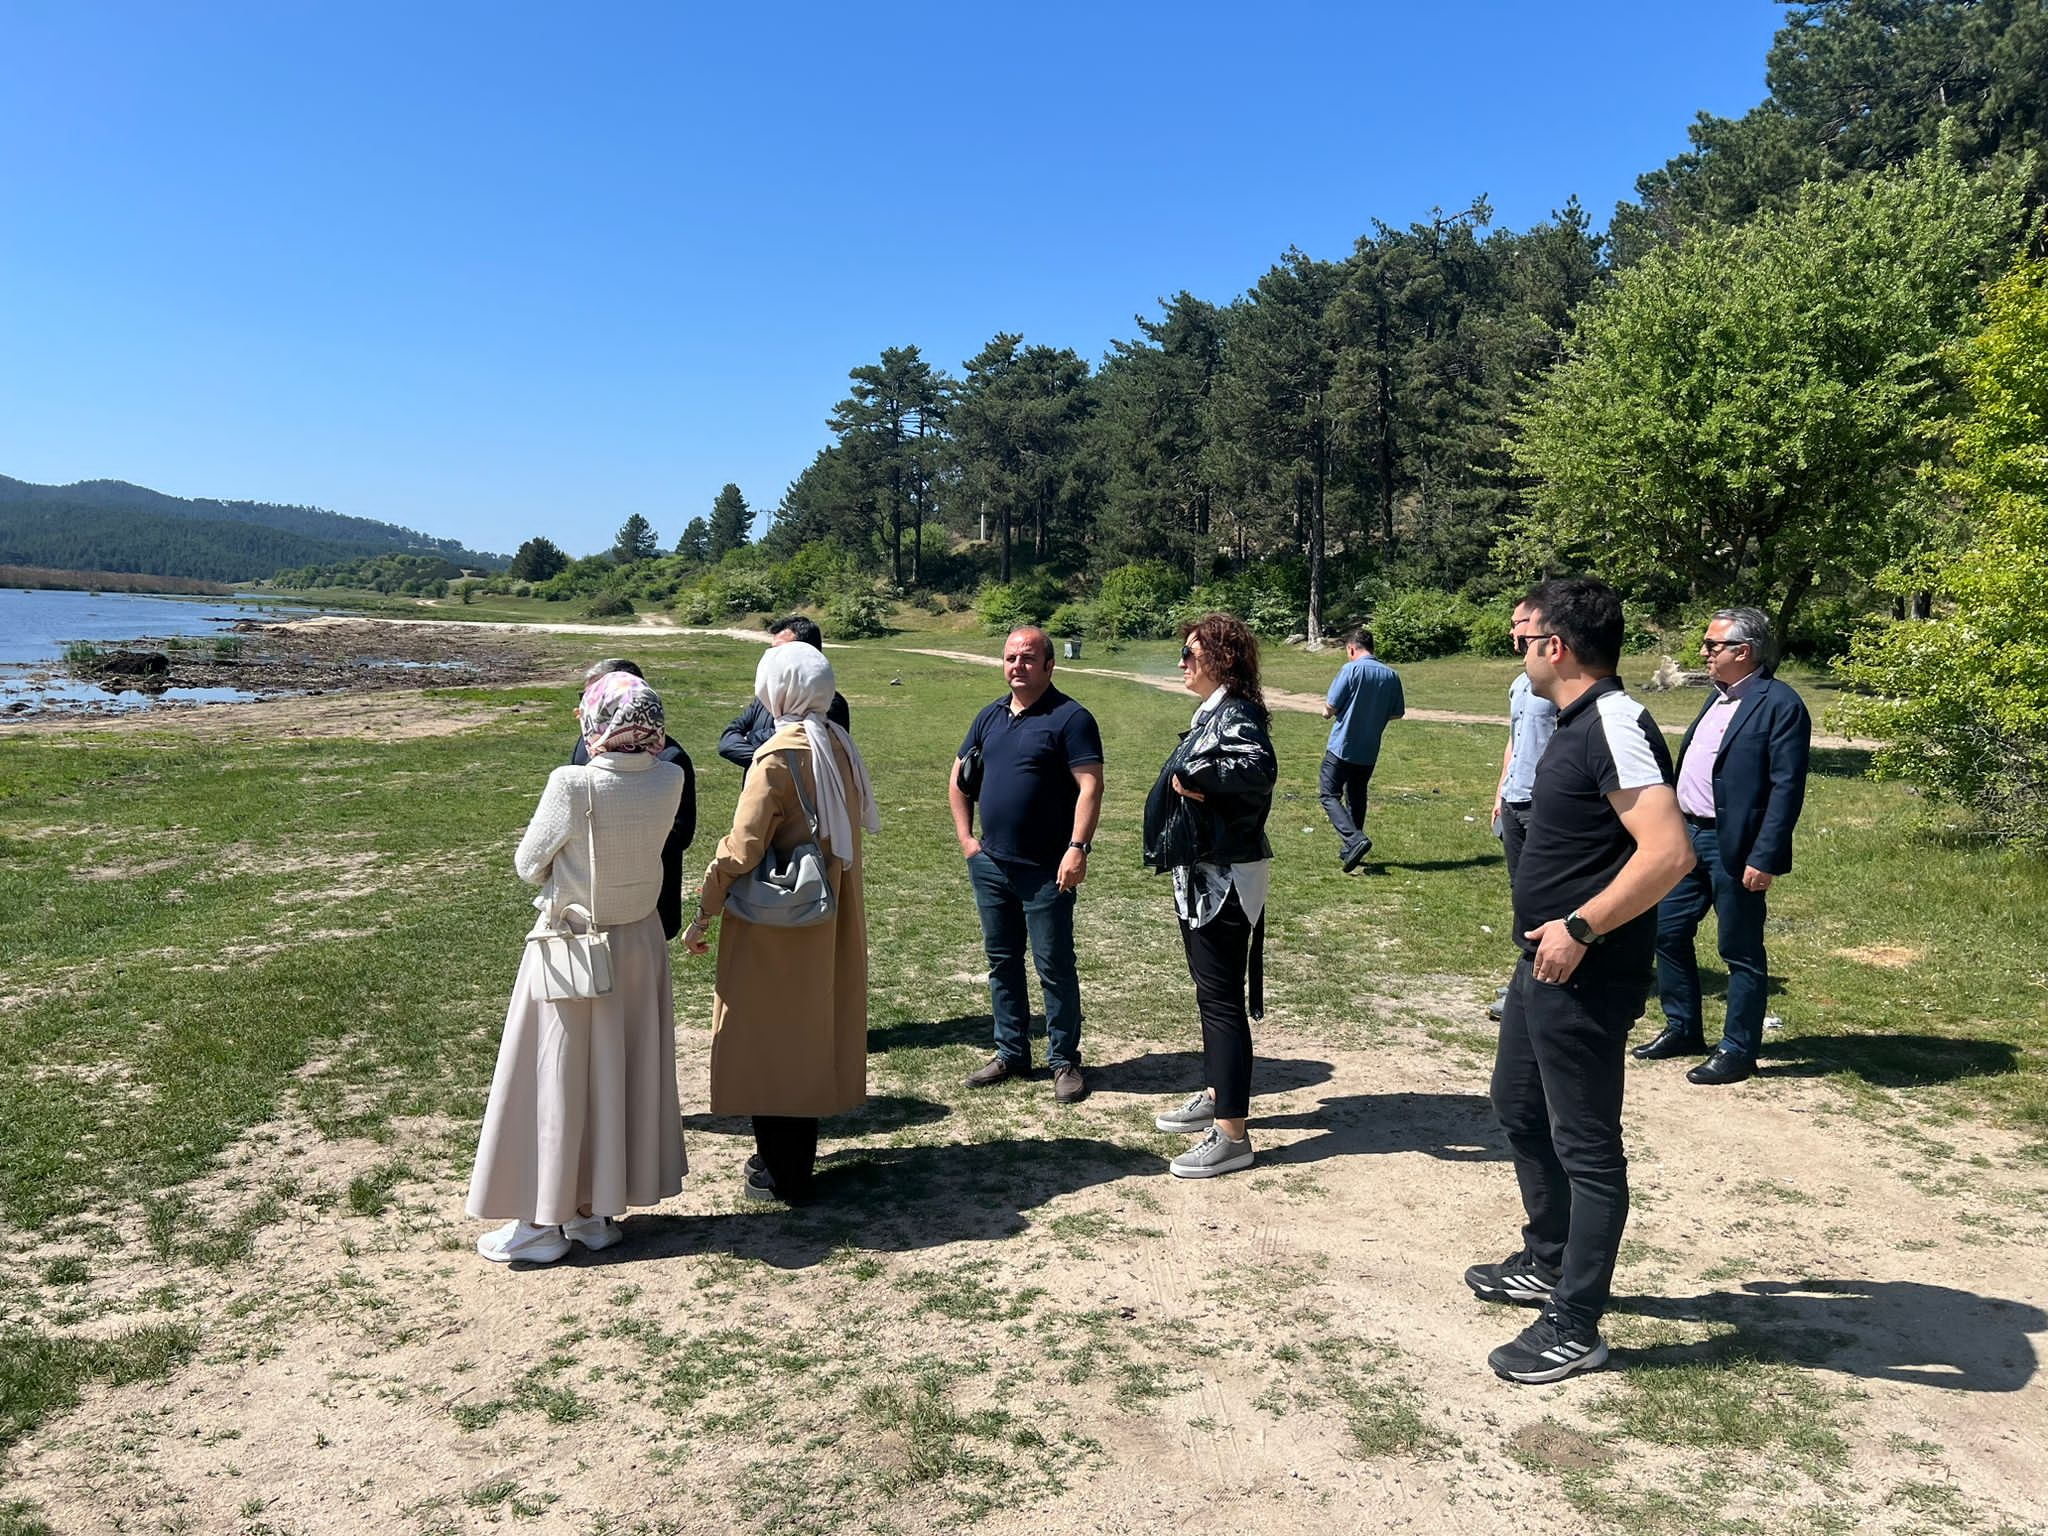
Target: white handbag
[{"x": 573, "y": 963}]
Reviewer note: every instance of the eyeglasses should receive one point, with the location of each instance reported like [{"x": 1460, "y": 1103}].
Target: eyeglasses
[
  {"x": 1715, "y": 647},
  {"x": 1188, "y": 653},
  {"x": 1521, "y": 642}
]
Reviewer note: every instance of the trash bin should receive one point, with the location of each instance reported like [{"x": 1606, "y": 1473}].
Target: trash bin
[{"x": 1073, "y": 650}]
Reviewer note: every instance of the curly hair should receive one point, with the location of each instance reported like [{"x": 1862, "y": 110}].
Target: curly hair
[{"x": 1230, "y": 653}]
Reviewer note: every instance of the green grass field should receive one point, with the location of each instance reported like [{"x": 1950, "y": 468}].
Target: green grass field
[{"x": 203, "y": 932}]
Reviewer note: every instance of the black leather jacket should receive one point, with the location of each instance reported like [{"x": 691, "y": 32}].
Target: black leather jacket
[{"x": 1228, "y": 757}]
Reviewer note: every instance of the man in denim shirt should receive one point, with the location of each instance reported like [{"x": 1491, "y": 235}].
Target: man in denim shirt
[{"x": 1365, "y": 696}]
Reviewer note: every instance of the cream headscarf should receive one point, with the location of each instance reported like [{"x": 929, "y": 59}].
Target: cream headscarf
[{"x": 795, "y": 685}]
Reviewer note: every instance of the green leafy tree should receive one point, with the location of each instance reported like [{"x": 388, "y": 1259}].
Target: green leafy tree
[
  {"x": 537, "y": 560},
  {"x": 1741, "y": 416},
  {"x": 635, "y": 541},
  {"x": 1962, "y": 701},
  {"x": 731, "y": 522}
]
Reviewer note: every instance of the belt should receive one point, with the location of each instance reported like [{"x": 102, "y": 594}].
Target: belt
[{"x": 1697, "y": 821}]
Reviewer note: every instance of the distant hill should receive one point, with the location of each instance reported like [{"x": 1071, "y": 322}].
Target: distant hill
[{"x": 110, "y": 525}]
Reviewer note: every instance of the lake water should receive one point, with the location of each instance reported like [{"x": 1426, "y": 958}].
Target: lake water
[{"x": 36, "y": 626}]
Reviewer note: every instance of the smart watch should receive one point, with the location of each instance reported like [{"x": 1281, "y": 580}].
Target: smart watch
[{"x": 1581, "y": 930}]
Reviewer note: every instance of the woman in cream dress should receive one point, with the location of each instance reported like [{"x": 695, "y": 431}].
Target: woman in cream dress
[{"x": 583, "y": 1120}]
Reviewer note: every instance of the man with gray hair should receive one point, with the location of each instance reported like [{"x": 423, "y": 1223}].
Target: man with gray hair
[{"x": 1741, "y": 784}]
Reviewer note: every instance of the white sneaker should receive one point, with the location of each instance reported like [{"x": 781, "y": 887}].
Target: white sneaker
[
  {"x": 593, "y": 1232},
  {"x": 524, "y": 1243},
  {"x": 1213, "y": 1154},
  {"x": 1193, "y": 1117}
]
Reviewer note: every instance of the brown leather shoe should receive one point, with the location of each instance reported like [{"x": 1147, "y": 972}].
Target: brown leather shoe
[
  {"x": 995, "y": 1070},
  {"x": 1068, "y": 1086}
]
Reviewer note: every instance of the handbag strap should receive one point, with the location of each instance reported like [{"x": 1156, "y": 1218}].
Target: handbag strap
[
  {"x": 590, "y": 840},
  {"x": 803, "y": 799}
]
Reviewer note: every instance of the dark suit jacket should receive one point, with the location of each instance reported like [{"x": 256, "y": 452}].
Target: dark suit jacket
[
  {"x": 1759, "y": 777},
  {"x": 743, "y": 738},
  {"x": 670, "y": 902}
]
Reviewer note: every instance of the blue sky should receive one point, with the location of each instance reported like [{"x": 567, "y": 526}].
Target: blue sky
[{"x": 492, "y": 270}]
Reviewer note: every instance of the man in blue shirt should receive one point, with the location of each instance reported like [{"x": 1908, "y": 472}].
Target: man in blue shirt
[
  {"x": 1365, "y": 696},
  {"x": 1040, "y": 791}
]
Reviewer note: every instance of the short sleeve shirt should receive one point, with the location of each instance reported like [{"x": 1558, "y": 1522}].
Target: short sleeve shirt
[
  {"x": 1028, "y": 760},
  {"x": 1531, "y": 721},
  {"x": 1605, "y": 742},
  {"x": 1364, "y": 697}
]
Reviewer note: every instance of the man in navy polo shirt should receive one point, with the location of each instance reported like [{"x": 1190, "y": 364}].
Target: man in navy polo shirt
[
  {"x": 1040, "y": 795},
  {"x": 1605, "y": 844}
]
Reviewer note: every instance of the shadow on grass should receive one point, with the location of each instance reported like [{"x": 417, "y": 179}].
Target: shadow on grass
[
  {"x": 1456, "y": 1127},
  {"x": 1429, "y": 866},
  {"x": 895, "y": 1200},
  {"x": 1839, "y": 762},
  {"x": 1180, "y": 1072},
  {"x": 883, "y": 1112},
  {"x": 1877, "y": 1330},
  {"x": 1888, "y": 1061},
  {"x": 924, "y": 1034}
]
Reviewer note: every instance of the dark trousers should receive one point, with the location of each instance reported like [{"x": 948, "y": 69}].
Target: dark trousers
[
  {"x": 1022, "y": 907},
  {"x": 1557, "y": 1076},
  {"x": 788, "y": 1145},
  {"x": 1218, "y": 953},
  {"x": 1514, "y": 831},
  {"x": 1342, "y": 792},
  {"x": 1739, "y": 917}
]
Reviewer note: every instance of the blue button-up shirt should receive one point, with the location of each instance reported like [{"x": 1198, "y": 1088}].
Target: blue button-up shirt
[
  {"x": 1365, "y": 696},
  {"x": 1532, "y": 721}
]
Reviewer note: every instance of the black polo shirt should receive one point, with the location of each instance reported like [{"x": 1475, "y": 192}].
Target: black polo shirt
[
  {"x": 1576, "y": 844},
  {"x": 1027, "y": 775}
]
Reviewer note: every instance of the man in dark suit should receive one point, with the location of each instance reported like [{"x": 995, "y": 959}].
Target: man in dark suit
[
  {"x": 669, "y": 903},
  {"x": 754, "y": 725},
  {"x": 1741, "y": 783}
]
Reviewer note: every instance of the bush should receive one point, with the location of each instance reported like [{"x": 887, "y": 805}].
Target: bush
[
  {"x": 816, "y": 573},
  {"x": 1488, "y": 631},
  {"x": 697, "y": 605},
  {"x": 1418, "y": 624},
  {"x": 1071, "y": 619},
  {"x": 609, "y": 605},
  {"x": 1027, "y": 600},
  {"x": 1138, "y": 602},
  {"x": 856, "y": 613},
  {"x": 1271, "y": 599},
  {"x": 745, "y": 591}
]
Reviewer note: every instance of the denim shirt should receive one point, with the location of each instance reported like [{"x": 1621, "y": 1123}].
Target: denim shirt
[{"x": 1532, "y": 721}]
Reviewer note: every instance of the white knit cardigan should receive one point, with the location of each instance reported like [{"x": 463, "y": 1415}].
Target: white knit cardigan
[{"x": 635, "y": 796}]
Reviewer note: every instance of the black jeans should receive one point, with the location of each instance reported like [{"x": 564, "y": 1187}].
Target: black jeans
[
  {"x": 1514, "y": 831},
  {"x": 788, "y": 1145},
  {"x": 1218, "y": 952},
  {"x": 1557, "y": 1077},
  {"x": 1342, "y": 792}
]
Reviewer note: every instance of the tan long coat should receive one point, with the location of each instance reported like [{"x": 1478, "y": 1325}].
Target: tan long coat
[{"x": 789, "y": 1019}]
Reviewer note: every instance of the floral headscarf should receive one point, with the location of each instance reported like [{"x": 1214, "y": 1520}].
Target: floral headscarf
[{"x": 620, "y": 713}]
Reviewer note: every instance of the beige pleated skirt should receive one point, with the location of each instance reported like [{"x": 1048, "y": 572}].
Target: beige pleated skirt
[{"x": 583, "y": 1107}]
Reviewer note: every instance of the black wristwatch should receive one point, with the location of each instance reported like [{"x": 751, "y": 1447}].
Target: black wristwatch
[
  {"x": 1581, "y": 930},
  {"x": 1088, "y": 847}
]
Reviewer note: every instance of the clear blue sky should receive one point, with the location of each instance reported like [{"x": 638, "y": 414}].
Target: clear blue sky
[{"x": 498, "y": 269}]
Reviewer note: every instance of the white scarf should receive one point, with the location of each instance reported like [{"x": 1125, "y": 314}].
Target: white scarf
[{"x": 795, "y": 685}]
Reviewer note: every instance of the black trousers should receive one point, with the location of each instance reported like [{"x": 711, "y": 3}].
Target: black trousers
[
  {"x": 1514, "y": 831},
  {"x": 788, "y": 1145},
  {"x": 1557, "y": 1076},
  {"x": 1218, "y": 953},
  {"x": 1342, "y": 791}
]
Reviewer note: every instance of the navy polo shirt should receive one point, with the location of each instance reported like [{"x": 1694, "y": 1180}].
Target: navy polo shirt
[{"x": 1027, "y": 775}]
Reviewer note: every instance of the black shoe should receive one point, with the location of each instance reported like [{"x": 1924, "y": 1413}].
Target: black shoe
[
  {"x": 1355, "y": 855},
  {"x": 996, "y": 1070},
  {"x": 759, "y": 1186},
  {"x": 1549, "y": 1349},
  {"x": 1516, "y": 1278},
  {"x": 1672, "y": 1041},
  {"x": 1724, "y": 1066}
]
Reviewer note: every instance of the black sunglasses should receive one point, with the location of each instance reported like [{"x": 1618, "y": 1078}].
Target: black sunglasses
[
  {"x": 1715, "y": 647},
  {"x": 1187, "y": 653},
  {"x": 1521, "y": 642}
]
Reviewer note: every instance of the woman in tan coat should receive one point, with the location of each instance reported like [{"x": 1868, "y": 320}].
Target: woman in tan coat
[{"x": 789, "y": 1017}]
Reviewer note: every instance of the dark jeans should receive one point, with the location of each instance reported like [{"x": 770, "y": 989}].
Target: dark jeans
[
  {"x": 1020, "y": 904},
  {"x": 1557, "y": 1076},
  {"x": 1218, "y": 953},
  {"x": 1739, "y": 915},
  {"x": 788, "y": 1145},
  {"x": 1343, "y": 795},
  {"x": 1514, "y": 831}
]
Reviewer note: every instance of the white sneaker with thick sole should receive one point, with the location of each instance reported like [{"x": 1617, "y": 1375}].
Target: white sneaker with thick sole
[
  {"x": 593, "y": 1232},
  {"x": 1197, "y": 1115},
  {"x": 521, "y": 1242},
  {"x": 1215, "y": 1153}
]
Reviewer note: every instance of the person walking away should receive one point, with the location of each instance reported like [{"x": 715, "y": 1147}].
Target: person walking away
[
  {"x": 1365, "y": 695},
  {"x": 1741, "y": 785},
  {"x": 1040, "y": 793},
  {"x": 1205, "y": 822}
]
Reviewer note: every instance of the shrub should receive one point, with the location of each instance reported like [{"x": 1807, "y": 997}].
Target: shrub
[
  {"x": 1138, "y": 602},
  {"x": 856, "y": 613},
  {"x": 1071, "y": 619},
  {"x": 609, "y": 605},
  {"x": 745, "y": 591},
  {"x": 1488, "y": 631},
  {"x": 1027, "y": 600},
  {"x": 1272, "y": 599},
  {"x": 1418, "y": 624},
  {"x": 816, "y": 573},
  {"x": 697, "y": 605}
]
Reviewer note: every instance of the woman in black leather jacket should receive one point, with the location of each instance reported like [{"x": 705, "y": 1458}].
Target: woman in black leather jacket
[{"x": 1205, "y": 821}]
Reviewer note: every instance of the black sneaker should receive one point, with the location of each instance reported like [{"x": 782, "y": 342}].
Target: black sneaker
[
  {"x": 1549, "y": 1349},
  {"x": 1517, "y": 1278}
]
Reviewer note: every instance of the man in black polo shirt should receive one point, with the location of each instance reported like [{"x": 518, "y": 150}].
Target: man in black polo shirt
[
  {"x": 1605, "y": 843},
  {"x": 1040, "y": 794}
]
